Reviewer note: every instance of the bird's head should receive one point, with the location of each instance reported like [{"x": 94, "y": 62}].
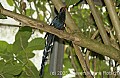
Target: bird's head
[
  {"x": 63, "y": 9},
  {"x": 62, "y": 14}
]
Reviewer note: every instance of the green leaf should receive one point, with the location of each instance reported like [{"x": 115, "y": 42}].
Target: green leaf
[
  {"x": 36, "y": 44},
  {"x": 21, "y": 39},
  {"x": 25, "y": 54},
  {"x": 15, "y": 69},
  {"x": 10, "y": 48},
  {"x": 30, "y": 71},
  {"x": 4, "y": 51},
  {"x": 29, "y": 12},
  {"x": 3, "y": 46},
  {"x": 30, "y": 55},
  {"x": 6, "y": 55},
  {"x": 2, "y": 64},
  {"x": 8, "y": 75},
  {"x": 10, "y": 70},
  {"x": 25, "y": 31},
  {"x": 10, "y": 2}
]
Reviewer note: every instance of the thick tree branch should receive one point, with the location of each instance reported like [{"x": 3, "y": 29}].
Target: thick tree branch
[
  {"x": 99, "y": 22},
  {"x": 81, "y": 41},
  {"x": 114, "y": 17}
]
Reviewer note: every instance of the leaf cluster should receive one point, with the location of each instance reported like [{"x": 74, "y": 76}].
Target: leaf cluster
[{"x": 15, "y": 57}]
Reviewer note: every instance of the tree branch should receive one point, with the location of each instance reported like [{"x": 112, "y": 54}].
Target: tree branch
[
  {"x": 99, "y": 22},
  {"x": 78, "y": 40},
  {"x": 74, "y": 64},
  {"x": 82, "y": 62},
  {"x": 10, "y": 25},
  {"x": 113, "y": 16}
]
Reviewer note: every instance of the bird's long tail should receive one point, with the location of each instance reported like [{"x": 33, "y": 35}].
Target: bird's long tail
[{"x": 48, "y": 46}]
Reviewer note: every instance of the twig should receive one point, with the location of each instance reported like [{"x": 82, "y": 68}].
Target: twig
[
  {"x": 82, "y": 62},
  {"x": 10, "y": 25},
  {"x": 74, "y": 65}
]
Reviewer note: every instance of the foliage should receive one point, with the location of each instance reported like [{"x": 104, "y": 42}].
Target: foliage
[{"x": 15, "y": 57}]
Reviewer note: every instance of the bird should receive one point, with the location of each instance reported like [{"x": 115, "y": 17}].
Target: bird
[{"x": 58, "y": 23}]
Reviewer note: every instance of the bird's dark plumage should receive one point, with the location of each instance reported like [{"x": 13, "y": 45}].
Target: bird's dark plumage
[{"x": 58, "y": 22}]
